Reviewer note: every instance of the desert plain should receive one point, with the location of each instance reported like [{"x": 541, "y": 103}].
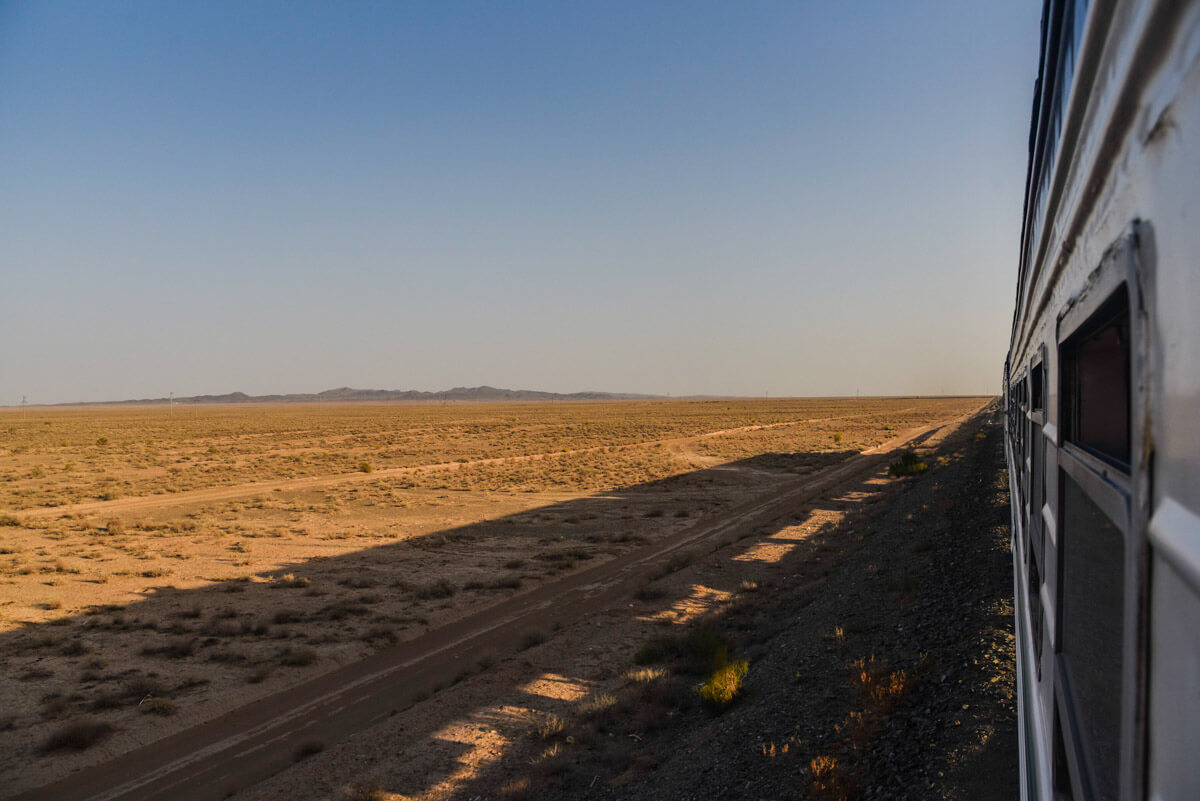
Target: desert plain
[{"x": 163, "y": 565}]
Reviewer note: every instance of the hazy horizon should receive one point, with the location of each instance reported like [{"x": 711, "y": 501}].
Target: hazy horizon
[
  {"x": 615, "y": 396},
  {"x": 683, "y": 199}
]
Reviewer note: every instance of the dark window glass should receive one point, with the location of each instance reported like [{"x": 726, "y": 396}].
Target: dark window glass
[
  {"x": 1035, "y": 611},
  {"x": 1037, "y": 388},
  {"x": 1093, "y": 603},
  {"x": 1036, "y": 484},
  {"x": 1061, "y": 773},
  {"x": 1096, "y": 383}
]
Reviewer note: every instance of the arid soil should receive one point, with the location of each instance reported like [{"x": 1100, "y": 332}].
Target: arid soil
[
  {"x": 143, "y": 603},
  {"x": 877, "y": 628}
]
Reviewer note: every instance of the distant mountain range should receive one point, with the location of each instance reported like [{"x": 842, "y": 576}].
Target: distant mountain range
[{"x": 347, "y": 395}]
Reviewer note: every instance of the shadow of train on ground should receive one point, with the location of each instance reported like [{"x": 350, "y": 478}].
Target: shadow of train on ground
[
  {"x": 880, "y": 655},
  {"x": 560, "y": 695}
]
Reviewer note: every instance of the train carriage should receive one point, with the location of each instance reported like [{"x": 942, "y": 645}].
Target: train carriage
[{"x": 1102, "y": 392}]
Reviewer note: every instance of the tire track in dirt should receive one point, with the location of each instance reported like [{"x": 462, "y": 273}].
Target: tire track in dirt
[
  {"x": 219, "y": 494},
  {"x": 235, "y": 751}
]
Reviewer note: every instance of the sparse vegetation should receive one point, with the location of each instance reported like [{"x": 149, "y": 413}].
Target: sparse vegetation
[{"x": 159, "y": 566}]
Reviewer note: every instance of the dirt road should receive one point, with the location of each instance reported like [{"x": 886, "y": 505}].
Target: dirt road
[{"x": 247, "y": 745}]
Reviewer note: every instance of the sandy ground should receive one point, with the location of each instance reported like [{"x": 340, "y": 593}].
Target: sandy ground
[{"x": 201, "y": 600}]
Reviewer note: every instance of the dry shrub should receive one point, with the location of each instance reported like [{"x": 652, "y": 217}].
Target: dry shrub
[
  {"x": 157, "y": 705},
  {"x": 516, "y": 790},
  {"x": 297, "y": 657},
  {"x": 76, "y": 737},
  {"x": 180, "y": 649},
  {"x": 437, "y": 589},
  {"x": 704, "y": 649},
  {"x": 597, "y": 705},
  {"x": 673, "y": 565},
  {"x": 829, "y": 779},
  {"x": 645, "y": 675},
  {"x": 882, "y": 688},
  {"x": 289, "y": 581},
  {"x": 366, "y": 791},
  {"x": 551, "y": 725}
]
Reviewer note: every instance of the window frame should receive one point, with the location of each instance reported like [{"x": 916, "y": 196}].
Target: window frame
[{"x": 1120, "y": 492}]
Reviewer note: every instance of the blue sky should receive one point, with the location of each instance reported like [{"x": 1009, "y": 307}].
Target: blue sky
[{"x": 732, "y": 198}]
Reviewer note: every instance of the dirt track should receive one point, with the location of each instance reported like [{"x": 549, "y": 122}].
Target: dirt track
[{"x": 247, "y": 745}]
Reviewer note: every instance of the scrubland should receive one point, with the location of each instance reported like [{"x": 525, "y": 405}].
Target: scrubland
[{"x": 159, "y": 566}]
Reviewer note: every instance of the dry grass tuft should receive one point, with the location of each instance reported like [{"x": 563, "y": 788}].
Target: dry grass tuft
[
  {"x": 829, "y": 779},
  {"x": 724, "y": 685}
]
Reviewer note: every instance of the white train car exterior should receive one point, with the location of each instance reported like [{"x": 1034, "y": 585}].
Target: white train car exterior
[{"x": 1103, "y": 407}]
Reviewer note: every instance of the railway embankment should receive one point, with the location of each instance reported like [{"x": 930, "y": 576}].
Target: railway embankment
[{"x": 876, "y": 662}]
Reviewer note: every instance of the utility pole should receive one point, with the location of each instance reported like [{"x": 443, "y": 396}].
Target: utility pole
[
  {"x": 23, "y": 403},
  {"x": 171, "y": 402}
]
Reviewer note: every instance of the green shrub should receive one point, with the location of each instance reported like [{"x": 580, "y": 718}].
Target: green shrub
[
  {"x": 724, "y": 684},
  {"x": 909, "y": 464}
]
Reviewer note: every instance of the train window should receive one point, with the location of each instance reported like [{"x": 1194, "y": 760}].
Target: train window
[
  {"x": 1092, "y": 553},
  {"x": 1035, "y": 612},
  {"x": 1036, "y": 486},
  {"x": 1096, "y": 383},
  {"x": 1037, "y": 391}
]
